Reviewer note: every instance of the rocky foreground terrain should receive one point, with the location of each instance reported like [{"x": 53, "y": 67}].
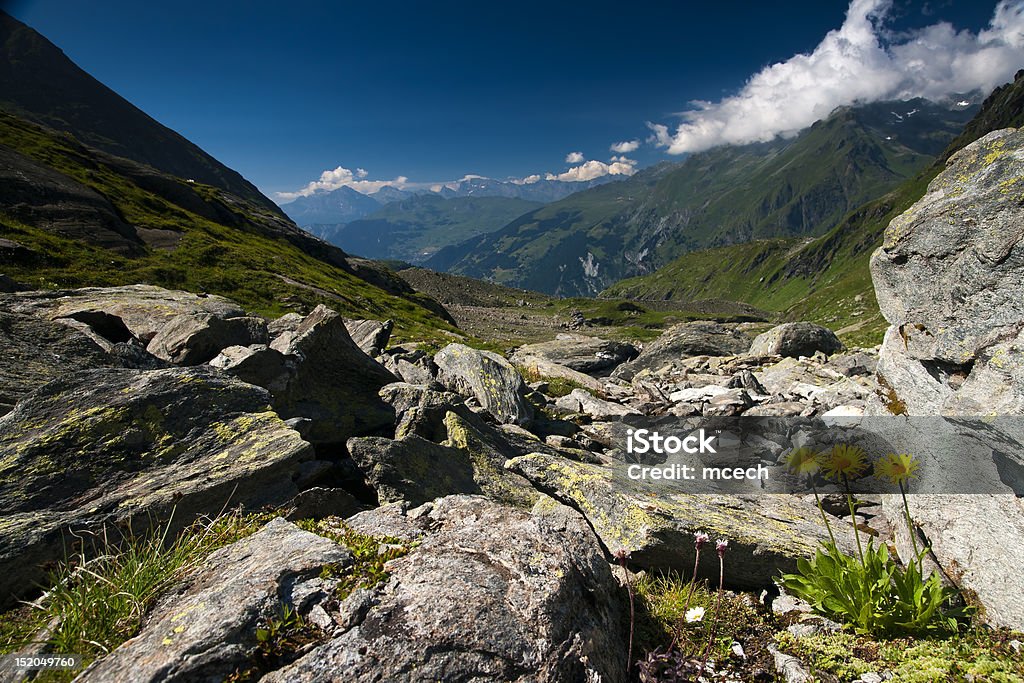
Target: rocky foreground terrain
[{"x": 488, "y": 483}]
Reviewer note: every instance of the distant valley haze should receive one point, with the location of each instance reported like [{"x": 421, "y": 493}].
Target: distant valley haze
[{"x": 461, "y": 99}]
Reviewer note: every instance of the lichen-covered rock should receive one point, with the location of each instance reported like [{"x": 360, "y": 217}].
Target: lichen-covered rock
[
  {"x": 488, "y": 593},
  {"x": 36, "y": 351},
  {"x": 489, "y": 449},
  {"x": 766, "y": 533},
  {"x": 370, "y": 335},
  {"x": 684, "y": 341},
  {"x": 487, "y": 377},
  {"x": 579, "y": 352},
  {"x": 138, "y": 310},
  {"x": 194, "y": 338},
  {"x": 412, "y": 469},
  {"x": 332, "y": 381},
  {"x": 547, "y": 369},
  {"x": 793, "y": 340},
  {"x": 206, "y": 629},
  {"x": 103, "y": 446},
  {"x": 949, "y": 276}
]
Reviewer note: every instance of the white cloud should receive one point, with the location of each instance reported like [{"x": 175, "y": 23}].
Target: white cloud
[
  {"x": 625, "y": 147},
  {"x": 595, "y": 169},
  {"x": 858, "y": 62},
  {"x": 574, "y": 158},
  {"x": 341, "y": 177}
]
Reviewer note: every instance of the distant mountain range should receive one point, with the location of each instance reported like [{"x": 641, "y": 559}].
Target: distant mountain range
[
  {"x": 415, "y": 228},
  {"x": 345, "y": 204},
  {"x": 729, "y": 195}
]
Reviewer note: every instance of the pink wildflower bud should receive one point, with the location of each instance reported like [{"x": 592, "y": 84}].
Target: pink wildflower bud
[
  {"x": 700, "y": 540},
  {"x": 720, "y": 546}
]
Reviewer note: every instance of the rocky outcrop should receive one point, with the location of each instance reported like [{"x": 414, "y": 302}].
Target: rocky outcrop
[
  {"x": 793, "y": 340},
  {"x": 195, "y": 338},
  {"x": 578, "y": 352},
  {"x": 412, "y": 469},
  {"x": 767, "y": 534},
  {"x": 119, "y": 313},
  {"x": 36, "y": 351},
  {"x": 108, "y": 445},
  {"x": 488, "y": 378},
  {"x": 683, "y": 341},
  {"x": 330, "y": 381},
  {"x": 370, "y": 335},
  {"x": 206, "y": 629},
  {"x": 948, "y": 280},
  {"x": 544, "y": 369},
  {"x": 488, "y": 593}
]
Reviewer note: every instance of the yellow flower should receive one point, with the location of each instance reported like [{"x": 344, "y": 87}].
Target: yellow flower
[
  {"x": 897, "y": 467},
  {"x": 803, "y": 460},
  {"x": 845, "y": 461}
]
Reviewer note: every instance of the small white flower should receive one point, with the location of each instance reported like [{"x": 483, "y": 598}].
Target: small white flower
[{"x": 694, "y": 614}]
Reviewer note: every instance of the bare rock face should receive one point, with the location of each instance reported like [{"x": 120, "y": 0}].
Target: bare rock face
[
  {"x": 104, "y": 446},
  {"x": 370, "y": 335},
  {"x": 488, "y": 593},
  {"x": 793, "y": 340},
  {"x": 207, "y": 629},
  {"x": 949, "y": 280},
  {"x": 332, "y": 382},
  {"x": 487, "y": 377},
  {"x": 194, "y": 338},
  {"x": 133, "y": 310},
  {"x": 36, "y": 351},
  {"x": 579, "y": 352},
  {"x": 766, "y": 533},
  {"x": 684, "y": 341}
]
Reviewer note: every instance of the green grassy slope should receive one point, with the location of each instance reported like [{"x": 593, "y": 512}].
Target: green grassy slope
[
  {"x": 826, "y": 279},
  {"x": 225, "y": 245},
  {"x": 725, "y": 196}
]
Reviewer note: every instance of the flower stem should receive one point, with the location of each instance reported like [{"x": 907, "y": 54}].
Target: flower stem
[
  {"x": 689, "y": 594},
  {"x": 632, "y": 613},
  {"x": 718, "y": 614},
  {"x": 853, "y": 518},
  {"x": 911, "y": 530},
  {"x": 821, "y": 509}
]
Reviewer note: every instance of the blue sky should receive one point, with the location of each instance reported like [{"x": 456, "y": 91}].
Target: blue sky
[{"x": 432, "y": 91}]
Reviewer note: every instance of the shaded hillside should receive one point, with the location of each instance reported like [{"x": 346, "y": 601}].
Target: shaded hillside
[
  {"x": 39, "y": 83},
  {"x": 415, "y": 228},
  {"x": 75, "y": 216},
  {"x": 728, "y": 195},
  {"x": 824, "y": 279}
]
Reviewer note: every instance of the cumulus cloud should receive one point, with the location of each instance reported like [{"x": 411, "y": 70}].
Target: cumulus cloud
[
  {"x": 859, "y": 62},
  {"x": 574, "y": 158},
  {"x": 341, "y": 177},
  {"x": 595, "y": 169},
  {"x": 625, "y": 147}
]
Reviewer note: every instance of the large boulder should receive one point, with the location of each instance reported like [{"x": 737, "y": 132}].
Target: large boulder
[
  {"x": 767, "y": 534},
  {"x": 206, "y": 630},
  {"x": 488, "y": 593},
  {"x": 111, "y": 445},
  {"x": 36, "y": 351},
  {"x": 684, "y": 341},
  {"x": 330, "y": 380},
  {"x": 412, "y": 469},
  {"x": 579, "y": 352},
  {"x": 370, "y": 335},
  {"x": 118, "y": 313},
  {"x": 544, "y": 369},
  {"x": 488, "y": 378},
  {"x": 948, "y": 278},
  {"x": 793, "y": 340},
  {"x": 194, "y": 338}
]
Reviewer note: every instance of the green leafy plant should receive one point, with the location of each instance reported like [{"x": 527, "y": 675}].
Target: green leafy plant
[{"x": 870, "y": 592}]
